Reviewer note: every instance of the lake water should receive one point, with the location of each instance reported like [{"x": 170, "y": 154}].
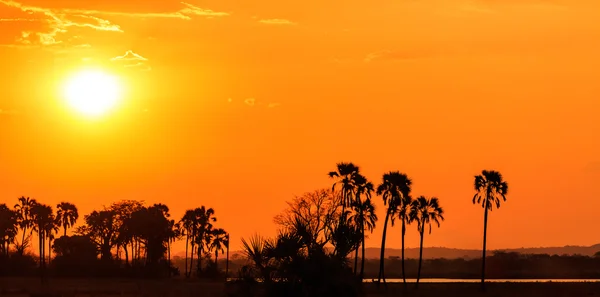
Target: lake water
[{"x": 453, "y": 280}]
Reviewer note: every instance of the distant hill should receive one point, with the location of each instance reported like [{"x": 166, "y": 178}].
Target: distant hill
[{"x": 451, "y": 253}]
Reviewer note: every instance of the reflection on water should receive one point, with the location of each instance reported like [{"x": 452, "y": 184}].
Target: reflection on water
[{"x": 452, "y": 280}]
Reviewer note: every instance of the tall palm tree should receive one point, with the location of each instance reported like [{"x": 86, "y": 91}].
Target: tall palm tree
[
  {"x": 226, "y": 244},
  {"x": 66, "y": 215},
  {"x": 425, "y": 211},
  {"x": 362, "y": 187},
  {"x": 188, "y": 224},
  {"x": 204, "y": 218},
  {"x": 42, "y": 216},
  {"x": 345, "y": 176},
  {"x": 404, "y": 216},
  {"x": 364, "y": 215},
  {"x": 218, "y": 242},
  {"x": 23, "y": 209},
  {"x": 489, "y": 187},
  {"x": 393, "y": 188}
]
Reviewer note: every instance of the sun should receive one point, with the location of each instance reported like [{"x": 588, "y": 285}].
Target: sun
[{"x": 92, "y": 92}]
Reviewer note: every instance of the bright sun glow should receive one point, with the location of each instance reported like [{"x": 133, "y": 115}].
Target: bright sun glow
[{"x": 92, "y": 93}]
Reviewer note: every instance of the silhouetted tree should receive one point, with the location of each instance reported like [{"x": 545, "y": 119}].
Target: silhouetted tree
[
  {"x": 489, "y": 187},
  {"x": 101, "y": 228},
  {"x": 66, "y": 215},
  {"x": 425, "y": 211},
  {"x": 23, "y": 209},
  {"x": 75, "y": 255},
  {"x": 8, "y": 228},
  {"x": 365, "y": 217},
  {"x": 125, "y": 237},
  {"x": 345, "y": 176},
  {"x": 43, "y": 219},
  {"x": 404, "y": 217},
  {"x": 204, "y": 218},
  {"x": 188, "y": 227},
  {"x": 218, "y": 242},
  {"x": 394, "y": 187}
]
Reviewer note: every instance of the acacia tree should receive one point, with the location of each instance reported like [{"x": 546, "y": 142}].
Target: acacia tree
[
  {"x": 425, "y": 211},
  {"x": 100, "y": 226},
  {"x": 490, "y": 187}
]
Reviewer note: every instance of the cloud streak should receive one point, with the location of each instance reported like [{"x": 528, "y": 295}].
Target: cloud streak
[
  {"x": 133, "y": 60},
  {"x": 281, "y": 22},
  {"x": 58, "y": 21}
]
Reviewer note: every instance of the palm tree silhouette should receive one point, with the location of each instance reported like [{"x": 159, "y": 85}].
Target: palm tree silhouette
[
  {"x": 489, "y": 187},
  {"x": 362, "y": 187},
  {"x": 394, "y": 187},
  {"x": 226, "y": 244},
  {"x": 404, "y": 216},
  {"x": 42, "y": 217},
  {"x": 364, "y": 216},
  {"x": 425, "y": 211},
  {"x": 23, "y": 209},
  {"x": 345, "y": 176},
  {"x": 218, "y": 242},
  {"x": 188, "y": 224},
  {"x": 66, "y": 215}
]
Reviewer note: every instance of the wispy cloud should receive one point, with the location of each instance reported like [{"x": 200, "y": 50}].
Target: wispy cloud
[
  {"x": 133, "y": 60},
  {"x": 397, "y": 55},
  {"x": 250, "y": 101},
  {"x": 58, "y": 21},
  {"x": 277, "y": 22}
]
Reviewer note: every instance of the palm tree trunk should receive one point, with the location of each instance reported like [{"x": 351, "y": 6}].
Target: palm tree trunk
[
  {"x": 23, "y": 241},
  {"x": 217, "y": 261},
  {"x": 362, "y": 263},
  {"x": 485, "y": 217},
  {"x": 191, "y": 259},
  {"x": 382, "y": 255},
  {"x": 187, "y": 238},
  {"x": 49, "y": 250},
  {"x": 126, "y": 253},
  {"x": 65, "y": 234},
  {"x": 420, "y": 256},
  {"x": 403, "y": 233},
  {"x": 356, "y": 258},
  {"x": 227, "y": 264}
]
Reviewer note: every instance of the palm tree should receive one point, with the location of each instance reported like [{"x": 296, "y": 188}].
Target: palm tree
[
  {"x": 188, "y": 223},
  {"x": 174, "y": 233},
  {"x": 204, "y": 218},
  {"x": 425, "y": 211},
  {"x": 489, "y": 187},
  {"x": 404, "y": 216},
  {"x": 23, "y": 209},
  {"x": 66, "y": 215},
  {"x": 226, "y": 244},
  {"x": 218, "y": 242},
  {"x": 345, "y": 176},
  {"x": 42, "y": 216},
  {"x": 394, "y": 187},
  {"x": 365, "y": 217}
]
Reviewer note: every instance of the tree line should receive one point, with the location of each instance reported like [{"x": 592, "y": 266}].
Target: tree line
[
  {"x": 126, "y": 235},
  {"x": 320, "y": 230}
]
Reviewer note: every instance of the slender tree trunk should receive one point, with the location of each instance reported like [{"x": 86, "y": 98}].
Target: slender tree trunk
[
  {"x": 199, "y": 255},
  {"x": 126, "y": 254},
  {"x": 22, "y": 251},
  {"x": 65, "y": 234},
  {"x": 403, "y": 234},
  {"x": 485, "y": 219},
  {"x": 362, "y": 263},
  {"x": 217, "y": 261},
  {"x": 191, "y": 259},
  {"x": 420, "y": 256},
  {"x": 227, "y": 264},
  {"x": 356, "y": 258},
  {"x": 187, "y": 238},
  {"x": 49, "y": 250},
  {"x": 382, "y": 255}
]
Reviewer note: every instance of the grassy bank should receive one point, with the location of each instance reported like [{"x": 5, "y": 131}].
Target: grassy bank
[{"x": 186, "y": 288}]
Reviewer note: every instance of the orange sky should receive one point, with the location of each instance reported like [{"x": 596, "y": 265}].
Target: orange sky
[{"x": 437, "y": 89}]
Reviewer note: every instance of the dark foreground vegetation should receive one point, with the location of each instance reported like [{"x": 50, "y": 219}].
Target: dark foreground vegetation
[
  {"x": 180, "y": 287},
  {"x": 315, "y": 253}
]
